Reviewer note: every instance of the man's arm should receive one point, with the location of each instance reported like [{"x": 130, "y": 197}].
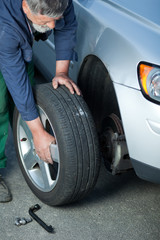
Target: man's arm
[
  {"x": 14, "y": 72},
  {"x": 65, "y": 41},
  {"x": 65, "y": 36}
]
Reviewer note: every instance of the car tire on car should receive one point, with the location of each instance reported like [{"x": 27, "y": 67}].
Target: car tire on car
[{"x": 75, "y": 154}]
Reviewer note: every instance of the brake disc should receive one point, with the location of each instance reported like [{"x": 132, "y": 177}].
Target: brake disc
[{"x": 113, "y": 146}]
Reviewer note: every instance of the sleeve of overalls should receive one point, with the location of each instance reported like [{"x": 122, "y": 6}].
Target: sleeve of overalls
[
  {"x": 65, "y": 36},
  {"x": 13, "y": 68}
]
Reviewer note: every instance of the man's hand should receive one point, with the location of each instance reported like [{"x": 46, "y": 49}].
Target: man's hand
[
  {"x": 41, "y": 139},
  {"x": 63, "y": 79},
  {"x": 41, "y": 144}
]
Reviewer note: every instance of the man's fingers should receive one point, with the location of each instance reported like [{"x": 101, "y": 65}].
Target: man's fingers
[
  {"x": 54, "y": 83},
  {"x": 49, "y": 160},
  {"x": 46, "y": 158},
  {"x": 69, "y": 86},
  {"x": 76, "y": 89}
]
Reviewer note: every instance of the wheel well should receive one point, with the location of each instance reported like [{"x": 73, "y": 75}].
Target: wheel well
[{"x": 98, "y": 90}]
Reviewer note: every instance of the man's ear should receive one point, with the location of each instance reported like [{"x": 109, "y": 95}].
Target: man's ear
[{"x": 25, "y": 7}]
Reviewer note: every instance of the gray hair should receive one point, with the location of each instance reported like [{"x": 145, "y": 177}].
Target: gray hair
[{"x": 50, "y": 8}]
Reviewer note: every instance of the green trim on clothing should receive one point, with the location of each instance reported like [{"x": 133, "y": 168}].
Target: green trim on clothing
[{"x": 4, "y": 120}]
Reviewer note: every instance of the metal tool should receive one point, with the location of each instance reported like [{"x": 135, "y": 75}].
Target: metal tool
[
  {"x": 17, "y": 223},
  {"x": 32, "y": 211},
  {"x": 22, "y": 221}
]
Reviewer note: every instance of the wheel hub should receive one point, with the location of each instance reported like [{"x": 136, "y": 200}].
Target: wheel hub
[{"x": 113, "y": 146}]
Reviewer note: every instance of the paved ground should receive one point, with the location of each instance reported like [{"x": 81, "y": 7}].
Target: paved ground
[
  {"x": 119, "y": 208},
  {"x": 122, "y": 207}
]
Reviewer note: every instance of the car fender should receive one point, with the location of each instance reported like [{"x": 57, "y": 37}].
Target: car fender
[{"x": 115, "y": 52}]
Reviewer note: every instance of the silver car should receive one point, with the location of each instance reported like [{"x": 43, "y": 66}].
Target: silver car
[{"x": 118, "y": 71}]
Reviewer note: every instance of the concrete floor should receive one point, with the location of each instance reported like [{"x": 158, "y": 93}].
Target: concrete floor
[{"x": 122, "y": 207}]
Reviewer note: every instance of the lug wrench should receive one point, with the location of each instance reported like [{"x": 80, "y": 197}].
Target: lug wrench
[{"x": 32, "y": 211}]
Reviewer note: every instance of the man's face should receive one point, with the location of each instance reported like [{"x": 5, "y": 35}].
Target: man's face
[{"x": 40, "y": 23}]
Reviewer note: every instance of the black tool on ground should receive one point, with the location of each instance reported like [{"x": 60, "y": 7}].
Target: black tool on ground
[{"x": 32, "y": 211}]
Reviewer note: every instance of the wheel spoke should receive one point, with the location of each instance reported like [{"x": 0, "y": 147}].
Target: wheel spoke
[
  {"x": 45, "y": 174},
  {"x": 30, "y": 160},
  {"x": 24, "y": 131},
  {"x": 54, "y": 153}
]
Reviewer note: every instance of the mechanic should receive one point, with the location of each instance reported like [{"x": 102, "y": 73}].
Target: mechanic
[{"x": 21, "y": 22}]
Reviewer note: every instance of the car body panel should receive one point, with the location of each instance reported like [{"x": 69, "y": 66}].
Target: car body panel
[
  {"x": 121, "y": 34},
  {"x": 114, "y": 41},
  {"x": 141, "y": 125},
  {"x": 147, "y": 9}
]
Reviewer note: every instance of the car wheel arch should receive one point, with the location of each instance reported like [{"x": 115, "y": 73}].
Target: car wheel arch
[
  {"x": 97, "y": 88},
  {"x": 100, "y": 95}
]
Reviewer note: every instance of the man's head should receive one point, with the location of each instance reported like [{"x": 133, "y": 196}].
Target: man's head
[{"x": 44, "y": 13}]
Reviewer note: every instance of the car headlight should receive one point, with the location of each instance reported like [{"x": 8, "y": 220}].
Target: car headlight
[{"x": 149, "y": 79}]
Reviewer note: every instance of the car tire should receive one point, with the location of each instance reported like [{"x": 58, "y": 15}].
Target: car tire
[{"x": 76, "y": 159}]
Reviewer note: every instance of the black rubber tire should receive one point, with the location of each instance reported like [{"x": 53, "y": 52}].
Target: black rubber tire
[{"x": 77, "y": 140}]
